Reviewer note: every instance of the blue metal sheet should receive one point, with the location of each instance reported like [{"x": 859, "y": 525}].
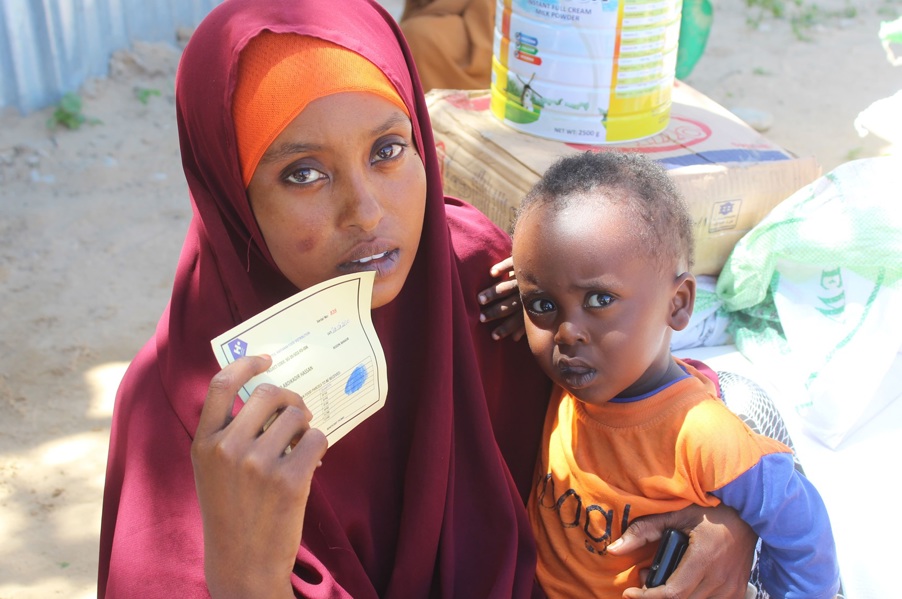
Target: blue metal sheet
[{"x": 50, "y": 47}]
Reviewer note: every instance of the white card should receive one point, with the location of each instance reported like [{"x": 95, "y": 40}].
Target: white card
[{"x": 323, "y": 347}]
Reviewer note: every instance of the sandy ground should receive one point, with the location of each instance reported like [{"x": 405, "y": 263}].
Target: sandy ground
[{"x": 92, "y": 221}]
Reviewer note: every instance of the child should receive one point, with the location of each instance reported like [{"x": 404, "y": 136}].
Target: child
[{"x": 602, "y": 254}]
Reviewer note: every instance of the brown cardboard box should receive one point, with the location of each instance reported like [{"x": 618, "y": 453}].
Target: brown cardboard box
[{"x": 730, "y": 175}]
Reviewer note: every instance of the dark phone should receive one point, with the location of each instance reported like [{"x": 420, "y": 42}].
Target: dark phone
[{"x": 671, "y": 549}]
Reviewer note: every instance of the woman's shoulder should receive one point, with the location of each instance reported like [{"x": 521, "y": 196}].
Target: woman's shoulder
[
  {"x": 142, "y": 400},
  {"x": 150, "y": 508},
  {"x": 142, "y": 374},
  {"x": 473, "y": 234}
]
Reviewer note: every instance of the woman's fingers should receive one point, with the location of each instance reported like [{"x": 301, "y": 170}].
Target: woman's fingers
[
  {"x": 501, "y": 302},
  {"x": 505, "y": 266},
  {"x": 509, "y": 313},
  {"x": 717, "y": 563},
  {"x": 271, "y": 420},
  {"x": 513, "y": 327},
  {"x": 502, "y": 293},
  {"x": 639, "y": 533},
  {"x": 263, "y": 407},
  {"x": 307, "y": 455},
  {"x": 502, "y": 289},
  {"x": 288, "y": 427},
  {"x": 217, "y": 410}
]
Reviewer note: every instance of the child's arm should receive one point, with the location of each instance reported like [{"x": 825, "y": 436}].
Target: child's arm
[{"x": 798, "y": 554}]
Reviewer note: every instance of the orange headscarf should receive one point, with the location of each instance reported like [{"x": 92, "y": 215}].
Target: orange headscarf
[{"x": 279, "y": 74}]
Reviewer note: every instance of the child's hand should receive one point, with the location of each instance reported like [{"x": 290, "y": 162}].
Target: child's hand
[
  {"x": 502, "y": 302},
  {"x": 717, "y": 563},
  {"x": 252, "y": 492}
]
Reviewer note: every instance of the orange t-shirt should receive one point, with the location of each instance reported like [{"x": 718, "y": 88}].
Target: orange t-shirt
[{"x": 655, "y": 455}]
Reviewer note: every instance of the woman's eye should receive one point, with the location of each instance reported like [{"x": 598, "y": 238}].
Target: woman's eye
[
  {"x": 599, "y": 300},
  {"x": 304, "y": 175},
  {"x": 541, "y": 306},
  {"x": 389, "y": 151}
]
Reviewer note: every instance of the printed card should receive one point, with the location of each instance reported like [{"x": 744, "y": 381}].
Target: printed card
[{"x": 324, "y": 348}]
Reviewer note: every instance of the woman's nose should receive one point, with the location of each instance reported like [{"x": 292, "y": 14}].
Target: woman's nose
[{"x": 363, "y": 206}]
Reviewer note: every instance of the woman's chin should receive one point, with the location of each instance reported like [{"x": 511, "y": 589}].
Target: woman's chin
[{"x": 385, "y": 290}]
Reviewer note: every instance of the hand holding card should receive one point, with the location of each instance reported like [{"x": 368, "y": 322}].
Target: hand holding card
[{"x": 323, "y": 347}]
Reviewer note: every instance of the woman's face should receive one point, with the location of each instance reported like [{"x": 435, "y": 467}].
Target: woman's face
[{"x": 342, "y": 189}]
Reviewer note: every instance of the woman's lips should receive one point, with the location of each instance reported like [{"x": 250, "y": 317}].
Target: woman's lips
[
  {"x": 383, "y": 262},
  {"x": 370, "y": 258}
]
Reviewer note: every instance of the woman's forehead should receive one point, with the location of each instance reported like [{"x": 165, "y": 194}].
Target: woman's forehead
[{"x": 345, "y": 117}]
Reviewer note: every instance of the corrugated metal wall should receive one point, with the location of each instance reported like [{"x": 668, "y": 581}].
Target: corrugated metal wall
[{"x": 50, "y": 47}]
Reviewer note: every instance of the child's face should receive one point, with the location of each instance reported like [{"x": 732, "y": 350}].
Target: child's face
[{"x": 598, "y": 308}]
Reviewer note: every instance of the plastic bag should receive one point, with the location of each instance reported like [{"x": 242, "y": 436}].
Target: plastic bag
[
  {"x": 695, "y": 27},
  {"x": 709, "y": 322},
  {"x": 814, "y": 291}
]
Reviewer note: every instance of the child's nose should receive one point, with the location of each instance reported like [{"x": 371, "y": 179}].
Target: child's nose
[{"x": 570, "y": 333}]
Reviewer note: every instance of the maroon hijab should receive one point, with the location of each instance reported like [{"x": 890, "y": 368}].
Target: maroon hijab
[{"x": 424, "y": 499}]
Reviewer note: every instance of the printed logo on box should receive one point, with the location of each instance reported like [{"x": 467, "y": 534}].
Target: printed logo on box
[{"x": 724, "y": 215}]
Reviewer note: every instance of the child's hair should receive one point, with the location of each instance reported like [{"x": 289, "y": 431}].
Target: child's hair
[{"x": 630, "y": 180}]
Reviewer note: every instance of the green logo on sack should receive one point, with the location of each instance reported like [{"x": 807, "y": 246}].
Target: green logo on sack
[{"x": 831, "y": 281}]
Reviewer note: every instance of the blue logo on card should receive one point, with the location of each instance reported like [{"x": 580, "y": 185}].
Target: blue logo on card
[
  {"x": 238, "y": 348},
  {"x": 356, "y": 380}
]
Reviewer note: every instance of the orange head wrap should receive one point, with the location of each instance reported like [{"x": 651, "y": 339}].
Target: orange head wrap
[{"x": 279, "y": 74}]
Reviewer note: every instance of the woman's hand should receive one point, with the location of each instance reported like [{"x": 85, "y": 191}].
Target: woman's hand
[
  {"x": 502, "y": 302},
  {"x": 717, "y": 563},
  {"x": 252, "y": 492}
]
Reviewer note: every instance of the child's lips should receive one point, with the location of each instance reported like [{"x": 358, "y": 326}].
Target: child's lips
[
  {"x": 565, "y": 362},
  {"x": 575, "y": 373}
]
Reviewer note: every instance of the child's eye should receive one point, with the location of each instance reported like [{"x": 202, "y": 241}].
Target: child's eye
[
  {"x": 389, "y": 151},
  {"x": 541, "y": 306},
  {"x": 599, "y": 300},
  {"x": 304, "y": 175}
]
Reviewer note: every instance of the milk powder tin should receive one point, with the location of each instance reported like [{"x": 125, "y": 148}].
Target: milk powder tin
[{"x": 586, "y": 71}]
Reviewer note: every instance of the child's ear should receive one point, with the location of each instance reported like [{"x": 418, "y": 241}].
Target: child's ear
[{"x": 683, "y": 301}]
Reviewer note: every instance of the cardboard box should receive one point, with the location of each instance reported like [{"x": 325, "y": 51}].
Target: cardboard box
[{"x": 730, "y": 175}]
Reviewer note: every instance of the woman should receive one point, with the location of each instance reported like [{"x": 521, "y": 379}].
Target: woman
[{"x": 305, "y": 161}]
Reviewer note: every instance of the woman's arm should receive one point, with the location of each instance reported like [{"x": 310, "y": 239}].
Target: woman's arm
[
  {"x": 252, "y": 492},
  {"x": 717, "y": 563}
]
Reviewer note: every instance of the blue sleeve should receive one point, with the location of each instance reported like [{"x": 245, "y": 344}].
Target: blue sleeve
[{"x": 798, "y": 554}]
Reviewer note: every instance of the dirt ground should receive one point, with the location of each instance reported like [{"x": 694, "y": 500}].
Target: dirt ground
[{"x": 92, "y": 222}]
